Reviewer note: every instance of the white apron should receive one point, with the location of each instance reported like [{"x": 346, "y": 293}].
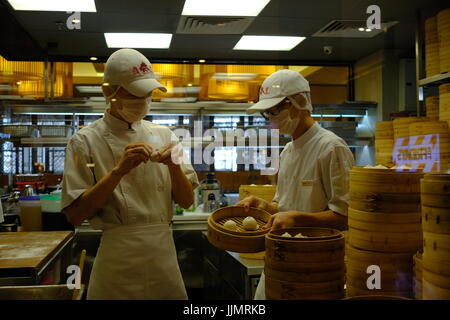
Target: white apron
[{"x": 137, "y": 262}]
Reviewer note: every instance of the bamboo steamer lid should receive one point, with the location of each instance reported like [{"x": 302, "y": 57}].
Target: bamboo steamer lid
[
  {"x": 436, "y": 220},
  {"x": 352, "y": 291},
  {"x": 436, "y": 246},
  {"x": 239, "y": 240},
  {"x": 384, "y": 180},
  {"x": 285, "y": 290},
  {"x": 432, "y": 292},
  {"x": 444, "y": 88},
  {"x": 385, "y": 241}
]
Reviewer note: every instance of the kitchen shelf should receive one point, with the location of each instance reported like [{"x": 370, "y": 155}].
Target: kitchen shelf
[{"x": 435, "y": 80}]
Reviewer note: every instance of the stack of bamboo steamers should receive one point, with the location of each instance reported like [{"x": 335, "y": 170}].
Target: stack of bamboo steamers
[
  {"x": 435, "y": 190},
  {"x": 385, "y": 232}
]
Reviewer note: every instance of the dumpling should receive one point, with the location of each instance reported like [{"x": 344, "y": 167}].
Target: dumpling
[
  {"x": 250, "y": 223},
  {"x": 230, "y": 225},
  {"x": 299, "y": 235},
  {"x": 286, "y": 235}
]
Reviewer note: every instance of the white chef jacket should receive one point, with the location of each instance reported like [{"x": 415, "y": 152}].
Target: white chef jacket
[
  {"x": 144, "y": 195},
  {"x": 314, "y": 173}
]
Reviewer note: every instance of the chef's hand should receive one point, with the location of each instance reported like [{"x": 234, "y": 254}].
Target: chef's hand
[
  {"x": 135, "y": 154},
  {"x": 253, "y": 202},
  {"x": 282, "y": 220},
  {"x": 170, "y": 154}
]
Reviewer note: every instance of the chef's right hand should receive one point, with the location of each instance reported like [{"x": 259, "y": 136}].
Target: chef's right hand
[
  {"x": 253, "y": 202},
  {"x": 135, "y": 154}
]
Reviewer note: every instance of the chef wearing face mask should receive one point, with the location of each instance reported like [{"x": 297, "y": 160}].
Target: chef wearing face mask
[
  {"x": 312, "y": 187},
  {"x": 122, "y": 173}
]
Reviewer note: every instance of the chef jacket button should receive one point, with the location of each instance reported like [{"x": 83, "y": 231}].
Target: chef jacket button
[{"x": 160, "y": 188}]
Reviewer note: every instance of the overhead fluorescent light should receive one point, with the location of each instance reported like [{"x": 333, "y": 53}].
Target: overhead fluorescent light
[
  {"x": 270, "y": 43},
  {"x": 89, "y": 89},
  {"x": 236, "y": 8},
  {"x": 234, "y": 76},
  {"x": 54, "y": 5},
  {"x": 138, "y": 40}
]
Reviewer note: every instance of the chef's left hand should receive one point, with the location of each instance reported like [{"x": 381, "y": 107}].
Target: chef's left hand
[
  {"x": 170, "y": 155},
  {"x": 283, "y": 220}
]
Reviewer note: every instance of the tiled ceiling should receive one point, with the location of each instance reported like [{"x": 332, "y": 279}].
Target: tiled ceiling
[{"x": 279, "y": 17}]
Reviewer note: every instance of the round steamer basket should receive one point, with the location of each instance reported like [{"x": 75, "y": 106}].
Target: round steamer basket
[
  {"x": 386, "y": 222},
  {"x": 352, "y": 291},
  {"x": 384, "y": 201},
  {"x": 435, "y": 190},
  {"x": 436, "y": 246},
  {"x": 436, "y": 220},
  {"x": 385, "y": 241},
  {"x": 384, "y": 180},
  {"x": 396, "y": 268},
  {"x": 241, "y": 240},
  {"x": 305, "y": 268},
  {"x": 376, "y": 298},
  {"x": 433, "y": 292}
]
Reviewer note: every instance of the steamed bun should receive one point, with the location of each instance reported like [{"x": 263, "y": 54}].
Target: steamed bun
[
  {"x": 286, "y": 235},
  {"x": 230, "y": 225},
  {"x": 250, "y": 223}
]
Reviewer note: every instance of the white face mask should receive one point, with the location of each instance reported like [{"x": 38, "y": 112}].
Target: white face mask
[
  {"x": 132, "y": 110},
  {"x": 285, "y": 123}
]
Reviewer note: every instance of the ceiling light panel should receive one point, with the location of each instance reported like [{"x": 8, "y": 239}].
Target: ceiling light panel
[
  {"x": 268, "y": 43},
  {"x": 54, "y": 5},
  {"x": 138, "y": 40},
  {"x": 237, "y": 8}
]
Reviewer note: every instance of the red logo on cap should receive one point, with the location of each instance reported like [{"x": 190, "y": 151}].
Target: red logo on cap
[
  {"x": 142, "y": 69},
  {"x": 264, "y": 90}
]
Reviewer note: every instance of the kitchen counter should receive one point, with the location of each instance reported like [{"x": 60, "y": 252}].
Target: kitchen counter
[{"x": 25, "y": 257}]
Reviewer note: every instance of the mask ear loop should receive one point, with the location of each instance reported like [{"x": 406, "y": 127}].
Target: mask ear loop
[{"x": 108, "y": 98}]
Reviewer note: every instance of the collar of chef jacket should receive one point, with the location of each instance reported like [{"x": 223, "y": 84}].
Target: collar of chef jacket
[
  {"x": 117, "y": 124},
  {"x": 304, "y": 138}
]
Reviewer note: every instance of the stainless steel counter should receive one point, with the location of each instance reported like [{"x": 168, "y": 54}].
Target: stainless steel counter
[{"x": 254, "y": 267}]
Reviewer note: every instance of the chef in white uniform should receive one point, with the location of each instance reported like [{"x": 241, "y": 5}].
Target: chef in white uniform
[
  {"x": 312, "y": 187},
  {"x": 122, "y": 174}
]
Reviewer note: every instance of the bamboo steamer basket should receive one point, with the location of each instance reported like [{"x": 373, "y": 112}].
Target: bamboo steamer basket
[
  {"x": 384, "y": 142},
  {"x": 437, "y": 279},
  {"x": 287, "y": 290},
  {"x": 384, "y": 202},
  {"x": 444, "y": 102},
  {"x": 432, "y": 107},
  {"x": 436, "y": 266},
  {"x": 431, "y": 47},
  {"x": 384, "y": 129},
  {"x": 436, "y": 247},
  {"x": 429, "y": 127},
  {"x": 401, "y": 125},
  {"x": 266, "y": 192},
  {"x": 435, "y": 190},
  {"x": 387, "y": 222},
  {"x": 396, "y": 268},
  {"x": 352, "y": 291},
  {"x": 385, "y": 241},
  {"x": 436, "y": 220},
  {"x": 443, "y": 27},
  {"x": 433, "y": 292},
  {"x": 241, "y": 240},
  {"x": 305, "y": 268},
  {"x": 417, "y": 275},
  {"x": 380, "y": 297},
  {"x": 384, "y": 181}
]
